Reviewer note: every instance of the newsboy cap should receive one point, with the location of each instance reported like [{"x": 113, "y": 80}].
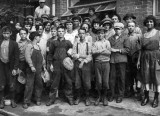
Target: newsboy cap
[
  {"x": 42, "y": 0},
  {"x": 118, "y": 25}
]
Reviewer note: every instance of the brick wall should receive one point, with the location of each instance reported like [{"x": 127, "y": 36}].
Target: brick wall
[
  {"x": 140, "y": 8},
  {"x": 61, "y": 7}
]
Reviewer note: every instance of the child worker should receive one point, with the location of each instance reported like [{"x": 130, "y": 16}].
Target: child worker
[
  {"x": 101, "y": 52},
  {"x": 9, "y": 61},
  {"x": 82, "y": 55},
  {"x": 36, "y": 63}
]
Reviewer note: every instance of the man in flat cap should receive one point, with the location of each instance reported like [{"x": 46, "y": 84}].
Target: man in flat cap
[{"x": 41, "y": 9}]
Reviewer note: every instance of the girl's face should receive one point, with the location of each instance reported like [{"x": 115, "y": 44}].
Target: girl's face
[
  {"x": 96, "y": 25},
  {"x": 150, "y": 24},
  {"x": 18, "y": 26},
  {"x": 85, "y": 26},
  {"x": 107, "y": 26},
  {"x": 54, "y": 32}
]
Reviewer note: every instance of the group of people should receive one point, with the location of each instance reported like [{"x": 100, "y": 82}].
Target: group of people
[{"x": 80, "y": 55}]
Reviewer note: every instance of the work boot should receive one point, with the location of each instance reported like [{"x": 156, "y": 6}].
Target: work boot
[
  {"x": 13, "y": 104},
  {"x": 145, "y": 100},
  {"x": 105, "y": 101},
  {"x": 50, "y": 102},
  {"x": 119, "y": 100},
  {"x": 155, "y": 101},
  {"x": 77, "y": 101},
  {"x": 2, "y": 104},
  {"x": 25, "y": 106},
  {"x": 97, "y": 101},
  {"x": 70, "y": 101},
  {"x": 87, "y": 101}
]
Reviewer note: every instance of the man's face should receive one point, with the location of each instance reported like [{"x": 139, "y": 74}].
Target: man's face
[
  {"x": 76, "y": 23},
  {"x": 47, "y": 27},
  {"x": 40, "y": 30},
  {"x": 101, "y": 35},
  {"x": 61, "y": 33},
  {"x": 69, "y": 26},
  {"x": 41, "y": 4},
  {"x": 23, "y": 34},
  {"x": 129, "y": 19},
  {"x": 118, "y": 31},
  {"x": 54, "y": 32},
  {"x": 7, "y": 34},
  {"x": 131, "y": 27},
  {"x": 81, "y": 34}
]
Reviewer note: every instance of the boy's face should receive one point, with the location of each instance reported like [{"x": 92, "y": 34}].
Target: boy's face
[
  {"x": 118, "y": 31},
  {"x": 7, "y": 34},
  {"x": 47, "y": 27},
  {"x": 28, "y": 27},
  {"x": 96, "y": 25},
  {"x": 61, "y": 33},
  {"x": 91, "y": 12},
  {"x": 81, "y": 34},
  {"x": 115, "y": 19},
  {"x": 69, "y": 26},
  {"x": 54, "y": 32},
  {"x": 101, "y": 35},
  {"x": 76, "y": 23},
  {"x": 131, "y": 27},
  {"x": 23, "y": 34},
  {"x": 40, "y": 30}
]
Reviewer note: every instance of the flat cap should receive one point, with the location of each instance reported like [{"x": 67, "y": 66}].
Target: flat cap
[
  {"x": 44, "y": 16},
  {"x": 42, "y": 0},
  {"x": 118, "y": 25}
]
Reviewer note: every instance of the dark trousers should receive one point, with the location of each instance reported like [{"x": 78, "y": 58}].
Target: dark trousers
[
  {"x": 83, "y": 77},
  {"x": 7, "y": 80},
  {"x": 102, "y": 70},
  {"x": 117, "y": 78},
  {"x": 33, "y": 82},
  {"x": 60, "y": 73}
]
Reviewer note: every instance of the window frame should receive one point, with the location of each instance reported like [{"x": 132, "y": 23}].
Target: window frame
[{"x": 156, "y": 6}]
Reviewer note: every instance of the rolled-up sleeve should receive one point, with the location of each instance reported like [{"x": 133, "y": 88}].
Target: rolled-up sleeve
[{"x": 28, "y": 53}]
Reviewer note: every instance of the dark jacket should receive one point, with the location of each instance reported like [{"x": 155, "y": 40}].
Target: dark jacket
[
  {"x": 13, "y": 54},
  {"x": 120, "y": 43}
]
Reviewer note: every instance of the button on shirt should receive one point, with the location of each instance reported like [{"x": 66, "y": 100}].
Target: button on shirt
[
  {"x": 4, "y": 51},
  {"x": 39, "y": 11}
]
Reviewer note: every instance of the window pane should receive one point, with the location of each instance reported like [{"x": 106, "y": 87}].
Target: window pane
[{"x": 158, "y": 6}]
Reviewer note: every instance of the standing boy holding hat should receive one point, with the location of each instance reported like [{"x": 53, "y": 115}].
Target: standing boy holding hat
[
  {"x": 119, "y": 50},
  {"x": 41, "y": 9}
]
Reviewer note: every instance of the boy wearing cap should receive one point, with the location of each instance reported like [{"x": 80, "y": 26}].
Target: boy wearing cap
[
  {"x": 101, "y": 53},
  {"x": 119, "y": 50},
  {"x": 82, "y": 55},
  {"x": 57, "y": 53},
  {"x": 41, "y": 9},
  {"x": 35, "y": 63},
  {"x": 9, "y": 61}
]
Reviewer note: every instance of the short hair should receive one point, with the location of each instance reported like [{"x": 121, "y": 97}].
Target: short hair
[
  {"x": 68, "y": 21},
  {"x": 81, "y": 28},
  {"x": 33, "y": 35},
  {"x": 60, "y": 27},
  {"x": 55, "y": 28},
  {"x": 119, "y": 18},
  {"x": 96, "y": 21},
  {"x": 45, "y": 23},
  {"x": 150, "y": 17},
  {"x": 86, "y": 24},
  {"x": 91, "y": 8},
  {"x": 37, "y": 26},
  {"x": 7, "y": 29},
  {"x": 132, "y": 22},
  {"x": 76, "y": 18},
  {"x": 24, "y": 29}
]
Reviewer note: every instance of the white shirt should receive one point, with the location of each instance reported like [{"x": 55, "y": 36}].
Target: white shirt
[
  {"x": 71, "y": 36},
  {"x": 39, "y": 11}
]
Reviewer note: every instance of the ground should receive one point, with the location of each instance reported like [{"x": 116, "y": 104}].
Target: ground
[{"x": 129, "y": 107}]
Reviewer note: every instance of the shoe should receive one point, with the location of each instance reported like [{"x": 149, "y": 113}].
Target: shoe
[
  {"x": 77, "y": 101},
  {"x": 111, "y": 99},
  {"x": 13, "y": 104},
  {"x": 1, "y": 104},
  {"x": 145, "y": 100},
  {"x": 50, "y": 102},
  {"x": 119, "y": 100},
  {"x": 70, "y": 101},
  {"x": 87, "y": 102},
  {"x": 38, "y": 103},
  {"x": 155, "y": 101},
  {"x": 25, "y": 106},
  {"x": 97, "y": 101},
  {"x": 105, "y": 101}
]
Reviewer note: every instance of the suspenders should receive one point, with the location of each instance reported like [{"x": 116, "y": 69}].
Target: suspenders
[{"x": 87, "y": 48}]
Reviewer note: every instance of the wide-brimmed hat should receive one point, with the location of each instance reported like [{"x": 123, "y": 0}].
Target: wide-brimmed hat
[
  {"x": 68, "y": 63},
  {"x": 129, "y": 15},
  {"x": 106, "y": 20}
]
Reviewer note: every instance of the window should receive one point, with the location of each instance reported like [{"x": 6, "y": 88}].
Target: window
[{"x": 156, "y": 7}]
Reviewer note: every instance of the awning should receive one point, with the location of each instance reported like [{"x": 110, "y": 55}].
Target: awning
[{"x": 99, "y": 7}]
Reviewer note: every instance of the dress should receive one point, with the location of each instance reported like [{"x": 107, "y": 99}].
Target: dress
[{"x": 150, "y": 49}]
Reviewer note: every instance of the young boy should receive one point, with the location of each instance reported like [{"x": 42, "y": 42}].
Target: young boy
[
  {"x": 9, "y": 61},
  {"x": 101, "y": 52},
  {"x": 82, "y": 55},
  {"x": 119, "y": 50},
  {"x": 57, "y": 53},
  {"x": 35, "y": 61}
]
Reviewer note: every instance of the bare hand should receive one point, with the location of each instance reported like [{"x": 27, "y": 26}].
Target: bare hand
[
  {"x": 51, "y": 68},
  {"x": 81, "y": 64},
  {"x": 33, "y": 69},
  {"x": 14, "y": 72},
  {"x": 83, "y": 56},
  {"x": 138, "y": 65},
  {"x": 114, "y": 50}
]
